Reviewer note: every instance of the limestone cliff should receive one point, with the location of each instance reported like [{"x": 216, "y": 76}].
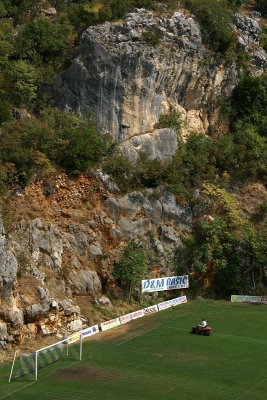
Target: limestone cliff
[{"x": 128, "y": 81}]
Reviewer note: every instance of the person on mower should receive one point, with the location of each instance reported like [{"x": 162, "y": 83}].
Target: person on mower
[{"x": 203, "y": 323}]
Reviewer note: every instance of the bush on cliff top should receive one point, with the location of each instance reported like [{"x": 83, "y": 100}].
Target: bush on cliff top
[
  {"x": 215, "y": 18},
  {"x": 34, "y": 146}
]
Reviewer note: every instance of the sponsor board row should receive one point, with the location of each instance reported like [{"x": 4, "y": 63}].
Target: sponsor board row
[
  {"x": 141, "y": 313},
  {"x": 248, "y": 299},
  {"x": 104, "y": 326}
]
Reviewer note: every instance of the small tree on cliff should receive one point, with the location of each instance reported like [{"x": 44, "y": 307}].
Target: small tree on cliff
[{"x": 132, "y": 267}]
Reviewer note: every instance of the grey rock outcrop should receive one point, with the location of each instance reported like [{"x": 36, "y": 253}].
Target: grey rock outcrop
[
  {"x": 46, "y": 243},
  {"x": 106, "y": 180},
  {"x": 9, "y": 310},
  {"x": 3, "y": 331},
  {"x": 136, "y": 213},
  {"x": 259, "y": 60},
  {"x": 84, "y": 282},
  {"x": 249, "y": 32},
  {"x": 128, "y": 83},
  {"x": 161, "y": 144},
  {"x": 248, "y": 27}
]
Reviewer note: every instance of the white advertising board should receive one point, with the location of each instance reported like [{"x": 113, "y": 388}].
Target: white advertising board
[
  {"x": 179, "y": 300},
  {"x": 133, "y": 315},
  {"x": 249, "y": 299},
  {"x": 167, "y": 283},
  {"x": 165, "y": 305},
  {"x": 92, "y": 330},
  {"x": 112, "y": 323},
  {"x": 172, "y": 303},
  {"x": 151, "y": 309}
]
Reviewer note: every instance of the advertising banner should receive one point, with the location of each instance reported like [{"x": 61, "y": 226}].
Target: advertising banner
[
  {"x": 110, "y": 324},
  {"x": 92, "y": 330},
  {"x": 179, "y": 300},
  {"x": 73, "y": 338},
  {"x": 249, "y": 299},
  {"x": 151, "y": 309},
  {"x": 165, "y": 305},
  {"x": 133, "y": 315},
  {"x": 126, "y": 318},
  {"x": 168, "y": 283}
]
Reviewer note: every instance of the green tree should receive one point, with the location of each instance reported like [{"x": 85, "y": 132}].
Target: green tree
[
  {"x": 228, "y": 251},
  {"x": 249, "y": 101},
  {"x": 43, "y": 40},
  {"x": 23, "y": 78},
  {"x": 132, "y": 267},
  {"x": 250, "y": 153},
  {"x": 81, "y": 147}
]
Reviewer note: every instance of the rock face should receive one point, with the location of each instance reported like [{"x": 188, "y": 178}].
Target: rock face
[
  {"x": 249, "y": 30},
  {"x": 69, "y": 251},
  {"x": 128, "y": 80}
]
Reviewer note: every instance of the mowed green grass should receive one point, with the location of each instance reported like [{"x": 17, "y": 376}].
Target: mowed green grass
[{"x": 155, "y": 358}]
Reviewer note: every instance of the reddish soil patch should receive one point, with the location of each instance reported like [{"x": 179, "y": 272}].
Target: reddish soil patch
[{"x": 89, "y": 374}]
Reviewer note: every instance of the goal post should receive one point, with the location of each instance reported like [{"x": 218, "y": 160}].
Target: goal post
[{"x": 50, "y": 354}]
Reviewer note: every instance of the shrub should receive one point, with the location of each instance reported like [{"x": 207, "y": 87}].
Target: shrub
[
  {"x": 152, "y": 36},
  {"x": 81, "y": 147},
  {"x": 149, "y": 173},
  {"x": 132, "y": 267},
  {"x": 262, "y": 6},
  {"x": 23, "y": 80},
  {"x": 5, "y": 112},
  {"x": 249, "y": 100},
  {"x": 215, "y": 18},
  {"x": 120, "y": 169},
  {"x": 251, "y": 153},
  {"x": 170, "y": 120},
  {"x": 263, "y": 39},
  {"x": 55, "y": 138},
  {"x": 45, "y": 40}
]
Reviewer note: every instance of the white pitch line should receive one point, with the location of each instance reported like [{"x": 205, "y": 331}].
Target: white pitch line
[
  {"x": 135, "y": 336},
  {"x": 148, "y": 362},
  {"x": 18, "y": 390},
  {"x": 143, "y": 332},
  {"x": 250, "y": 390}
]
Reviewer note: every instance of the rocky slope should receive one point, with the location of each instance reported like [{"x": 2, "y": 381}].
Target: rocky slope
[{"x": 61, "y": 240}]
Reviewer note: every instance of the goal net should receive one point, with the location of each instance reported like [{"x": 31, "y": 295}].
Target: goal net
[{"x": 26, "y": 366}]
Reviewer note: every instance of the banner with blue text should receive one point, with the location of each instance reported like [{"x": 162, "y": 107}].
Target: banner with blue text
[
  {"x": 92, "y": 330},
  {"x": 168, "y": 283}
]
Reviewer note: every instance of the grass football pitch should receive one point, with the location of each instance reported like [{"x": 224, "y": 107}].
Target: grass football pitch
[{"x": 156, "y": 358}]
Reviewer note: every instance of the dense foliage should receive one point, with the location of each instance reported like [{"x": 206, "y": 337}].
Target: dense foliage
[
  {"x": 54, "y": 140},
  {"x": 262, "y": 6},
  {"x": 228, "y": 250}
]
